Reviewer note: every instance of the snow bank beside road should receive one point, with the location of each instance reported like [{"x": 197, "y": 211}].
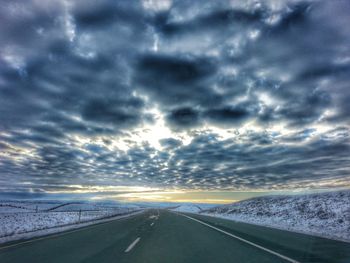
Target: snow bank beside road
[
  {"x": 18, "y": 219},
  {"x": 59, "y": 229},
  {"x": 322, "y": 214}
]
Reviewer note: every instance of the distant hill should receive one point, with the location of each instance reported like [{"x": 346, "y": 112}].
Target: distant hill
[{"x": 191, "y": 207}]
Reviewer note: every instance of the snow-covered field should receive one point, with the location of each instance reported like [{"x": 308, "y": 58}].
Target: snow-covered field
[
  {"x": 20, "y": 217},
  {"x": 322, "y": 214}
]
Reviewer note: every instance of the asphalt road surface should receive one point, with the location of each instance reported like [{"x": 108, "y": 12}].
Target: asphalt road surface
[{"x": 159, "y": 236}]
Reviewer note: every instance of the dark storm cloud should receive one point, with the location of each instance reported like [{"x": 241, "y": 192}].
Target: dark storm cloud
[
  {"x": 90, "y": 15},
  {"x": 183, "y": 117},
  {"x": 176, "y": 80},
  {"x": 116, "y": 112},
  {"x": 227, "y": 115},
  {"x": 179, "y": 71},
  {"x": 77, "y": 76}
]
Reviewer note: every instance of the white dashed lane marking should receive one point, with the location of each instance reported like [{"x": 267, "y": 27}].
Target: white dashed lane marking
[{"x": 131, "y": 246}]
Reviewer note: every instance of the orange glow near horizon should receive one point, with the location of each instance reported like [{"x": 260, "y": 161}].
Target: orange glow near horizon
[{"x": 151, "y": 194}]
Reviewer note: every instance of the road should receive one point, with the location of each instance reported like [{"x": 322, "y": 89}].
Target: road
[{"x": 159, "y": 236}]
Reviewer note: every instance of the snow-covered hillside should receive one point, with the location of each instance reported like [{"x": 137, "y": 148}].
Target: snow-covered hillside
[
  {"x": 323, "y": 214},
  {"x": 191, "y": 208},
  {"x": 19, "y": 217}
]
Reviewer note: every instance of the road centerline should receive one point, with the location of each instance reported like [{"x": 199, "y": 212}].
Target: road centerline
[
  {"x": 131, "y": 246},
  {"x": 243, "y": 240}
]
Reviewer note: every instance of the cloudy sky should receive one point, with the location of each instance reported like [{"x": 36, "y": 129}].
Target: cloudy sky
[{"x": 173, "y": 100}]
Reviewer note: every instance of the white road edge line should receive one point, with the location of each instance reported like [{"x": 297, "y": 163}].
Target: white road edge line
[
  {"x": 131, "y": 246},
  {"x": 243, "y": 240}
]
